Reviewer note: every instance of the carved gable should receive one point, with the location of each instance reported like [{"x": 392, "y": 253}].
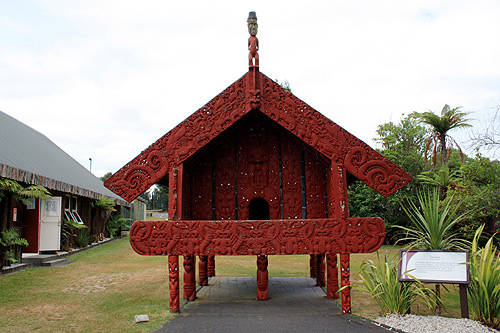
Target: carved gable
[{"x": 255, "y": 91}]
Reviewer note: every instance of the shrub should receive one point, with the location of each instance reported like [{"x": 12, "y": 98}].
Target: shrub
[
  {"x": 484, "y": 287},
  {"x": 381, "y": 280},
  {"x": 8, "y": 238},
  {"x": 82, "y": 238}
]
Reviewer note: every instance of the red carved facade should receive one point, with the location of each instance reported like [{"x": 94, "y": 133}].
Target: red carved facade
[{"x": 256, "y": 171}]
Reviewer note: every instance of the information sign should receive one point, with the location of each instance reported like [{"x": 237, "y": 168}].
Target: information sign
[{"x": 434, "y": 266}]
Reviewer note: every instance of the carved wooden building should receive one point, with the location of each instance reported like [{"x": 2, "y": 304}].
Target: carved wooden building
[{"x": 257, "y": 171}]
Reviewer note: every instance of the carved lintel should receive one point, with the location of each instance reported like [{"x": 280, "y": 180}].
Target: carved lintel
[{"x": 244, "y": 237}]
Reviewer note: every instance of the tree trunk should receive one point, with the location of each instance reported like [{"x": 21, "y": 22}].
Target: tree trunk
[{"x": 444, "y": 153}]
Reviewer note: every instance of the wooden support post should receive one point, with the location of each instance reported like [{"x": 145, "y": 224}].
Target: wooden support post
[
  {"x": 262, "y": 278},
  {"x": 190, "y": 278},
  {"x": 313, "y": 266},
  {"x": 202, "y": 271},
  {"x": 332, "y": 276},
  {"x": 211, "y": 266},
  {"x": 464, "y": 305},
  {"x": 173, "y": 276},
  {"x": 320, "y": 279},
  {"x": 344, "y": 281}
]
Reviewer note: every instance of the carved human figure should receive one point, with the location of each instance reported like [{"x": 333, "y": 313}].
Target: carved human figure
[
  {"x": 173, "y": 276},
  {"x": 262, "y": 278},
  {"x": 253, "y": 42},
  {"x": 189, "y": 278},
  {"x": 202, "y": 271}
]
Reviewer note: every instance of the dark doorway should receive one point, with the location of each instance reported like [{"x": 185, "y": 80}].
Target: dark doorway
[{"x": 258, "y": 209}]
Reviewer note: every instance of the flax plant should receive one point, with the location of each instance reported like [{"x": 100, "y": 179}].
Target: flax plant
[
  {"x": 381, "y": 280},
  {"x": 432, "y": 226},
  {"x": 433, "y": 222},
  {"x": 484, "y": 287}
]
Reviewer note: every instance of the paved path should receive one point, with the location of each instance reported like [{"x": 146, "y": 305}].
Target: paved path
[{"x": 228, "y": 304}]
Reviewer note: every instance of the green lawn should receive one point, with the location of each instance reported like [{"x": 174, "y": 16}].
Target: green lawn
[{"x": 105, "y": 287}]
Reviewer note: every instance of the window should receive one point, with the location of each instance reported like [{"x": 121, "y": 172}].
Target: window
[{"x": 71, "y": 209}]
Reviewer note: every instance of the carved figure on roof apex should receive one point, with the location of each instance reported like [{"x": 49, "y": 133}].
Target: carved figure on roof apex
[{"x": 253, "y": 42}]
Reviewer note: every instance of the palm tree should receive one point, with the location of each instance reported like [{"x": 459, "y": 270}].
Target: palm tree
[{"x": 440, "y": 125}]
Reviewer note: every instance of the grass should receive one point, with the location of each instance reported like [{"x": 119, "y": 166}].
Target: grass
[{"x": 107, "y": 286}]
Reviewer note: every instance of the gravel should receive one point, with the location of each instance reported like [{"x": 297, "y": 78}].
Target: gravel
[{"x": 416, "y": 324}]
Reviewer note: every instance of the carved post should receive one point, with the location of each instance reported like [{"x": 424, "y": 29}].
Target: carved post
[
  {"x": 202, "y": 271},
  {"x": 173, "y": 276},
  {"x": 189, "y": 278},
  {"x": 262, "y": 278},
  {"x": 320, "y": 279},
  {"x": 332, "y": 276},
  {"x": 313, "y": 266},
  {"x": 337, "y": 207},
  {"x": 211, "y": 266},
  {"x": 344, "y": 275}
]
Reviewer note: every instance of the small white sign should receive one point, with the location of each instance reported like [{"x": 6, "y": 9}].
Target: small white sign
[
  {"x": 52, "y": 207},
  {"x": 434, "y": 266}
]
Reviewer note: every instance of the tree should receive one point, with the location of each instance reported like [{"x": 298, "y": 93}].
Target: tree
[
  {"x": 21, "y": 193},
  {"x": 106, "y": 176},
  {"x": 159, "y": 198},
  {"x": 489, "y": 137},
  {"x": 440, "y": 126},
  {"x": 443, "y": 178},
  {"x": 480, "y": 193}
]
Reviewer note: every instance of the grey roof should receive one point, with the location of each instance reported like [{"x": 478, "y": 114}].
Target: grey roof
[{"x": 28, "y": 156}]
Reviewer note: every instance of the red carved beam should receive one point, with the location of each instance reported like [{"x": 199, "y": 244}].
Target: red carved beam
[{"x": 305, "y": 236}]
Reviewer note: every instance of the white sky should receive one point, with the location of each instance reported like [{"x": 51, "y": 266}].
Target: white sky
[{"x": 105, "y": 79}]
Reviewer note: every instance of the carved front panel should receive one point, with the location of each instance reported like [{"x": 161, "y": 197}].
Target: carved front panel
[
  {"x": 311, "y": 236},
  {"x": 225, "y": 180},
  {"x": 258, "y": 167},
  {"x": 201, "y": 190},
  {"x": 315, "y": 188},
  {"x": 291, "y": 172}
]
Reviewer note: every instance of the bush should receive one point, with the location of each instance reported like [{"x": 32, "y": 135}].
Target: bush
[
  {"x": 381, "y": 280},
  {"x": 114, "y": 225},
  {"x": 82, "y": 238},
  {"x": 484, "y": 287}
]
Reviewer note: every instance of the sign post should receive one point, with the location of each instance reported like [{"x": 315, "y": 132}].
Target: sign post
[{"x": 437, "y": 266}]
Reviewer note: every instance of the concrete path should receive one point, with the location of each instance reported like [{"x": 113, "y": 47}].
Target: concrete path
[{"x": 228, "y": 304}]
